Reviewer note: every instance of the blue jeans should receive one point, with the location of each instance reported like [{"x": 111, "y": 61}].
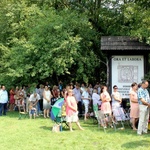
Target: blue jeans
[{"x": 3, "y": 108}]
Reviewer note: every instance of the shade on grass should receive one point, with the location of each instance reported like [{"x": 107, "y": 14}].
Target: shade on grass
[{"x": 26, "y": 134}]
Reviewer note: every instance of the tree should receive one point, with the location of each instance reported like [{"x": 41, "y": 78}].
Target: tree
[
  {"x": 138, "y": 21},
  {"x": 45, "y": 43},
  {"x": 61, "y": 38}
]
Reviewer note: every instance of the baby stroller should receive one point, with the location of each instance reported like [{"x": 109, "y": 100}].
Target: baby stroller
[{"x": 58, "y": 113}]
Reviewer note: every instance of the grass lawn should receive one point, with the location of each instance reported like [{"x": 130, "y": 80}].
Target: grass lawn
[{"x": 26, "y": 134}]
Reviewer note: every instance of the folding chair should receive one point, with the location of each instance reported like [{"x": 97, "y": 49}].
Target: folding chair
[
  {"x": 121, "y": 117},
  {"x": 23, "y": 115},
  {"x": 104, "y": 120}
]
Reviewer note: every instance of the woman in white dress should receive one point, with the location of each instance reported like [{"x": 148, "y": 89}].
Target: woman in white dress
[
  {"x": 46, "y": 101},
  {"x": 117, "y": 110}
]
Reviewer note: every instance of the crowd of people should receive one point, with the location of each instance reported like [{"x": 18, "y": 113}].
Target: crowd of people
[{"x": 80, "y": 101}]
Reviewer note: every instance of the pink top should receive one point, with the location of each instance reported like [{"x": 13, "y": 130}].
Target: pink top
[
  {"x": 105, "y": 97},
  {"x": 70, "y": 102},
  {"x": 134, "y": 113},
  {"x": 134, "y": 94}
]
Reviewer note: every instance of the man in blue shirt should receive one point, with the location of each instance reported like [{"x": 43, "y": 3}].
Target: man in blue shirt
[
  {"x": 3, "y": 101},
  {"x": 144, "y": 105}
]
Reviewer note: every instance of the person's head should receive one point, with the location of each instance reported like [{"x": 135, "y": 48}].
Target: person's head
[
  {"x": 95, "y": 91},
  {"x": 88, "y": 90},
  {"x": 139, "y": 85},
  {"x": 77, "y": 85},
  {"x": 103, "y": 89},
  {"x": 35, "y": 94},
  {"x": 145, "y": 84},
  {"x": 20, "y": 88},
  {"x": 68, "y": 88},
  {"x": 70, "y": 92},
  {"x": 41, "y": 86},
  {"x": 82, "y": 85},
  {"x": 90, "y": 85},
  {"x": 46, "y": 87},
  {"x": 54, "y": 87},
  {"x": 97, "y": 83},
  {"x": 71, "y": 85},
  {"x": 115, "y": 88},
  {"x": 3, "y": 88},
  {"x": 30, "y": 105},
  {"x": 134, "y": 86}
]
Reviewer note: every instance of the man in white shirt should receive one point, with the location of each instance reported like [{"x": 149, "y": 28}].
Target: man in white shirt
[
  {"x": 96, "y": 98},
  {"x": 34, "y": 98},
  {"x": 3, "y": 100},
  {"x": 96, "y": 102}
]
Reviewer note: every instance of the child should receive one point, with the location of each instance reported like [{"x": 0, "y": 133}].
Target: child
[
  {"x": 32, "y": 111},
  {"x": 71, "y": 110}
]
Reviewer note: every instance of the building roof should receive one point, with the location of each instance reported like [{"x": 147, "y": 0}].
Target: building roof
[{"x": 109, "y": 43}]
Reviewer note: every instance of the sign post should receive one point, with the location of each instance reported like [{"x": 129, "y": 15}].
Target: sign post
[{"x": 125, "y": 70}]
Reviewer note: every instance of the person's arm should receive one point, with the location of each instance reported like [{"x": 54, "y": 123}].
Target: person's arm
[
  {"x": 116, "y": 98},
  {"x": 103, "y": 97},
  {"x": 37, "y": 99},
  {"x": 17, "y": 94},
  {"x": 13, "y": 92},
  {"x": 29, "y": 100},
  {"x": 10, "y": 92},
  {"x": 74, "y": 94},
  {"x": 108, "y": 98},
  {"x": 50, "y": 95},
  {"x": 142, "y": 99},
  {"x": 7, "y": 96},
  {"x": 35, "y": 103},
  {"x": 54, "y": 95},
  {"x": 144, "y": 102},
  {"x": 83, "y": 96},
  {"x": 132, "y": 98},
  {"x": 65, "y": 95},
  {"x": 22, "y": 96}
]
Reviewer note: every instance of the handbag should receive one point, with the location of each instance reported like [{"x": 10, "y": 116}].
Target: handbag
[{"x": 56, "y": 128}]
